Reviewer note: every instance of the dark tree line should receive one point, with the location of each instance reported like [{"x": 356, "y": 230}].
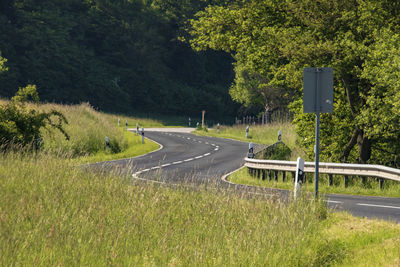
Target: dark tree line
[{"x": 120, "y": 56}]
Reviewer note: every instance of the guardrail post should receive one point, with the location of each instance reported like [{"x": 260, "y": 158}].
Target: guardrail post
[
  {"x": 346, "y": 181},
  {"x": 283, "y": 176},
  {"x": 276, "y": 175},
  {"x": 330, "y": 179},
  {"x": 263, "y": 174},
  {"x": 270, "y": 175},
  {"x": 294, "y": 177},
  {"x": 258, "y": 173},
  {"x": 381, "y": 183}
]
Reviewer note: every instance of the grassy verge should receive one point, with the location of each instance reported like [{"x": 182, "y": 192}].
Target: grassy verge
[
  {"x": 391, "y": 188},
  {"x": 54, "y": 214},
  {"x": 88, "y": 128},
  {"x": 260, "y": 134},
  {"x": 134, "y": 148}
]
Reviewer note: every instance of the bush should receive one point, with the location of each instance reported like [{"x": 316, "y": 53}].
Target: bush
[{"x": 22, "y": 126}]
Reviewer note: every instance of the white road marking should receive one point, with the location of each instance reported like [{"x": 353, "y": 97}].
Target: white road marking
[
  {"x": 207, "y": 143},
  {"x": 177, "y": 162},
  {"x": 213, "y": 144},
  {"x": 188, "y": 159},
  {"x": 165, "y": 165},
  {"x": 154, "y": 168},
  {"x": 205, "y": 155},
  {"x": 378, "y": 206},
  {"x": 198, "y": 157},
  {"x": 188, "y": 138},
  {"x": 216, "y": 149},
  {"x": 334, "y": 201},
  {"x": 200, "y": 142}
]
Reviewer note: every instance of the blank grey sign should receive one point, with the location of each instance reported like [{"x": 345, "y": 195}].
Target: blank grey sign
[{"x": 324, "y": 78}]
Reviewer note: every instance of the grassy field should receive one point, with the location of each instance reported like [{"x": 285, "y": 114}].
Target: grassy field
[
  {"x": 390, "y": 189},
  {"x": 54, "y": 214},
  {"x": 88, "y": 128}
]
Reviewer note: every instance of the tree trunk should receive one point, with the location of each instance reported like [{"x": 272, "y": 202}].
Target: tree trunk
[{"x": 364, "y": 148}]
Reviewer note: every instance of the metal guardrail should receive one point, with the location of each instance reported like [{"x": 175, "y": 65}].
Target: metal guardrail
[{"x": 328, "y": 168}]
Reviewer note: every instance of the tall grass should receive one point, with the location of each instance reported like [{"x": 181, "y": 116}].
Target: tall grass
[
  {"x": 54, "y": 214},
  {"x": 88, "y": 129}
]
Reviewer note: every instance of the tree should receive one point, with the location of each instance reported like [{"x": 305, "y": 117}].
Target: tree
[{"x": 272, "y": 41}]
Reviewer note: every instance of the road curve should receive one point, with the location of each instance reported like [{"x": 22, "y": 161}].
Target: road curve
[{"x": 189, "y": 158}]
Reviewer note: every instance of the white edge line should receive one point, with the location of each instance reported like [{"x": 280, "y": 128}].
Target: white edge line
[
  {"x": 207, "y": 154},
  {"x": 378, "y": 206}
]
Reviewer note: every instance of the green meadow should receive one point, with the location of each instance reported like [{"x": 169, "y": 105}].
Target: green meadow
[{"x": 53, "y": 213}]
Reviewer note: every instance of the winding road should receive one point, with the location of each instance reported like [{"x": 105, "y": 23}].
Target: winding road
[{"x": 187, "y": 158}]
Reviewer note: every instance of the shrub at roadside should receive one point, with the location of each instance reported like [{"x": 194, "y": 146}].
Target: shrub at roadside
[{"x": 21, "y": 125}]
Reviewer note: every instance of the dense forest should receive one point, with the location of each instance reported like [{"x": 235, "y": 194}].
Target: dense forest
[{"x": 121, "y": 56}]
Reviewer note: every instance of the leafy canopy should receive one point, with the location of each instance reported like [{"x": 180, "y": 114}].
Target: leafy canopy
[{"x": 273, "y": 40}]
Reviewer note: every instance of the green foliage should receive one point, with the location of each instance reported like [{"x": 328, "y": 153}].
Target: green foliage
[
  {"x": 272, "y": 41},
  {"x": 277, "y": 151},
  {"x": 120, "y": 56},
  {"x": 22, "y": 126}
]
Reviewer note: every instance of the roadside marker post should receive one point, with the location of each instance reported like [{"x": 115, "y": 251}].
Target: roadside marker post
[
  {"x": 299, "y": 178},
  {"x": 251, "y": 151},
  {"x": 317, "y": 98},
  {"x": 279, "y": 135},
  {"x": 142, "y": 135},
  {"x": 218, "y": 128},
  {"x": 203, "y": 112},
  {"x": 119, "y": 122},
  {"x": 107, "y": 143},
  {"x": 189, "y": 121},
  {"x": 126, "y": 125},
  {"x": 247, "y": 131},
  {"x": 137, "y": 128}
]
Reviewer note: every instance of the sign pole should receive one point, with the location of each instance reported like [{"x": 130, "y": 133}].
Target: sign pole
[
  {"x": 317, "y": 123},
  {"x": 317, "y": 98}
]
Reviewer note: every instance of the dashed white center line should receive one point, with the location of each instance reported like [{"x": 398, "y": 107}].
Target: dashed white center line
[
  {"x": 207, "y": 143},
  {"x": 177, "y": 162},
  {"x": 165, "y": 165},
  {"x": 378, "y": 206},
  {"x": 216, "y": 149},
  {"x": 186, "y": 160},
  {"x": 334, "y": 201},
  {"x": 205, "y": 155},
  {"x": 200, "y": 142},
  {"x": 198, "y": 157}
]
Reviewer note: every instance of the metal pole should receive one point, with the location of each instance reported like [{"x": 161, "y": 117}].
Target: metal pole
[{"x": 317, "y": 118}]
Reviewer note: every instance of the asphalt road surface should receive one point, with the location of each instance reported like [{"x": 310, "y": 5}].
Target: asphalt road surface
[{"x": 187, "y": 158}]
